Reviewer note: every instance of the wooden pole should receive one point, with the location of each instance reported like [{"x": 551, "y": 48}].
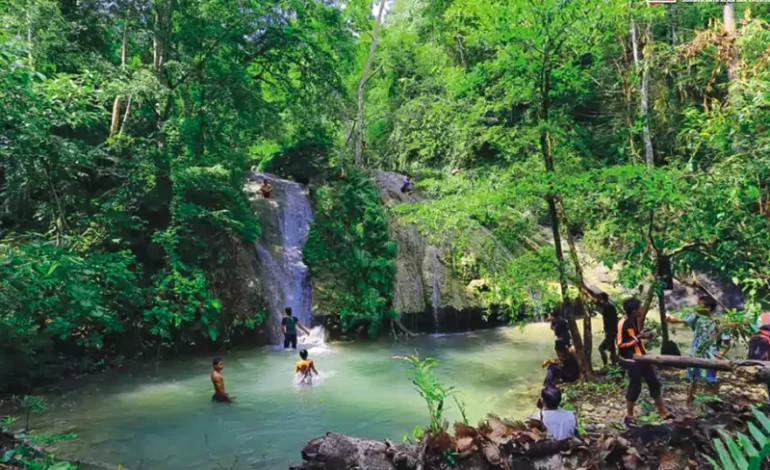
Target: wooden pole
[{"x": 683, "y": 362}]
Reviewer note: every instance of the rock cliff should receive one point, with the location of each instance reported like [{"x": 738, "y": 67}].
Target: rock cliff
[{"x": 425, "y": 287}]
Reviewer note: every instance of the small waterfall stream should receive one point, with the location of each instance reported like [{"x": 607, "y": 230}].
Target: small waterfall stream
[
  {"x": 436, "y": 288},
  {"x": 284, "y": 275}
]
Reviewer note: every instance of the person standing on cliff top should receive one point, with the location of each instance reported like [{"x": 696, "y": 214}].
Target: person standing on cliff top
[
  {"x": 218, "y": 380},
  {"x": 289, "y": 324}
]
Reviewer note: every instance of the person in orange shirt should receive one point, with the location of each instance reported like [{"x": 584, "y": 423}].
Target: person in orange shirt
[
  {"x": 631, "y": 342},
  {"x": 305, "y": 368}
]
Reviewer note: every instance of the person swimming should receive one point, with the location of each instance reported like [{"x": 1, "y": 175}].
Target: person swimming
[
  {"x": 305, "y": 368},
  {"x": 218, "y": 380}
]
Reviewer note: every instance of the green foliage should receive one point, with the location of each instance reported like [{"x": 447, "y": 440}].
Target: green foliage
[
  {"x": 32, "y": 404},
  {"x": 741, "y": 452},
  {"x": 430, "y": 389},
  {"x": 127, "y": 130},
  {"x": 350, "y": 254}
]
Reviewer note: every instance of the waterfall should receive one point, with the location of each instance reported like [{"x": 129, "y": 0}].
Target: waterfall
[
  {"x": 436, "y": 287},
  {"x": 286, "y": 219}
]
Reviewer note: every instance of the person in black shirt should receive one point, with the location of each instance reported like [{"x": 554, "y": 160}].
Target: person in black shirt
[
  {"x": 610, "y": 318},
  {"x": 565, "y": 369},
  {"x": 560, "y": 328},
  {"x": 289, "y": 325}
]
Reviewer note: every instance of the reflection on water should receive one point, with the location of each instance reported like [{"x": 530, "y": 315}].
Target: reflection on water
[{"x": 165, "y": 421}]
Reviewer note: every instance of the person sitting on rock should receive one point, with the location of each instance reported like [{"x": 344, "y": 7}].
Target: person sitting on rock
[
  {"x": 407, "y": 187},
  {"x": 562, "y": 424},
  {"x": 565, "y": 369},
  {"x": 267, "y": 189}
]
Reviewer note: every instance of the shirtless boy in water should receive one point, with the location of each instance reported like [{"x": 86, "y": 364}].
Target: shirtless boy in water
[
  {"x": 305, "y": 367},
  {"x": 220, "y": 396}
]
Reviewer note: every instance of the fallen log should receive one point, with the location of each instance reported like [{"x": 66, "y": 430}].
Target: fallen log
[{"x": 683, "y": 362}]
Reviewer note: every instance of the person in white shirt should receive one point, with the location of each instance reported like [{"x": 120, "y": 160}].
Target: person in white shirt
[{"x": 562, "y": 424}]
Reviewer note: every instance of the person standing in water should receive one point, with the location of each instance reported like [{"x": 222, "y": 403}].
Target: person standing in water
[
  {"x": 220, "y": 395},
  {"x": 289, "y": 324},
  {"x": 305, "y": 368}
]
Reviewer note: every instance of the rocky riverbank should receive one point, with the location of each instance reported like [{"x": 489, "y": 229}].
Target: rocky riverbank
[{"x": 497, "y": 443}]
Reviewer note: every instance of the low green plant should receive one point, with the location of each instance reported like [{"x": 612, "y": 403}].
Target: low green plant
[
  {"x": 741, "y": 452},
  {"x": 430, "y": 389},
  {"x": 32, "y": 404},
  {"x": 615, "y": 372},
  {"x": 706, "y": 398},
  {"x": 46, "y": 439}
]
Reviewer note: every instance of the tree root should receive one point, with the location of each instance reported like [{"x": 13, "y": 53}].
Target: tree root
[{"x": 404, "y": 329}]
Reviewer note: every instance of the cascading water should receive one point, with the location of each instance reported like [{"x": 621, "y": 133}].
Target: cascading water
[
  {"x": 436, "y": 287},
  {"x": 285, "y": 277}
]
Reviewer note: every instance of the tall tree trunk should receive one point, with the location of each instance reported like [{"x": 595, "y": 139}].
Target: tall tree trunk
[
  {"x": 644, "y": 88},
  {"x": 117, "y": 104},
  {"x": 728, "y": 14},
  {"x": 164, "y": 10},
  {"x": 362, "y": 85},
  {"x": 587, "y": 345},
  {"x": 115, "y": 123},
  {"x": 30, "y": 42},
  {"x": 545, "y": 148},
  {"x": 125, "y": 116}
]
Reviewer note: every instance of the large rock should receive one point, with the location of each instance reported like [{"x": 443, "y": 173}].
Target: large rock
[{"x": 425, "y": 284}]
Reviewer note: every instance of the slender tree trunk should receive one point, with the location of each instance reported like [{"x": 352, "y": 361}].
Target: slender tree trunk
[
  {"x": 125, "y": 116},
  {"x": 117, "y": 104},
  {"x": 644, "y": 89},
  {"x": 588, "y": 333},
  {"x": 362, "y": 85},
  {"x": 124, "y": 46},
  {"x": 115, "y": 125},
  {"x": 30, "y": 42},
  {"x": 545, "y": 148},
  {"x": 728, "y": 13},
  {"x": 645, "y": 100}
]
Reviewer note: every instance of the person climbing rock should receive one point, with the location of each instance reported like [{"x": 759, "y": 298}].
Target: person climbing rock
[
  {"x": 562, "y": 424},
  {"x": 407, "y": 187},
  {"x": 565, "y": 369},
  {"x": 266, "y": 189},
  {"x": 630, "y": 342},
  {"x": 305, "y": 368},
  {"x": 289, "y": 324},
  {"x": 218, "y": 380},
  {"x": 706, "y": 343}
]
